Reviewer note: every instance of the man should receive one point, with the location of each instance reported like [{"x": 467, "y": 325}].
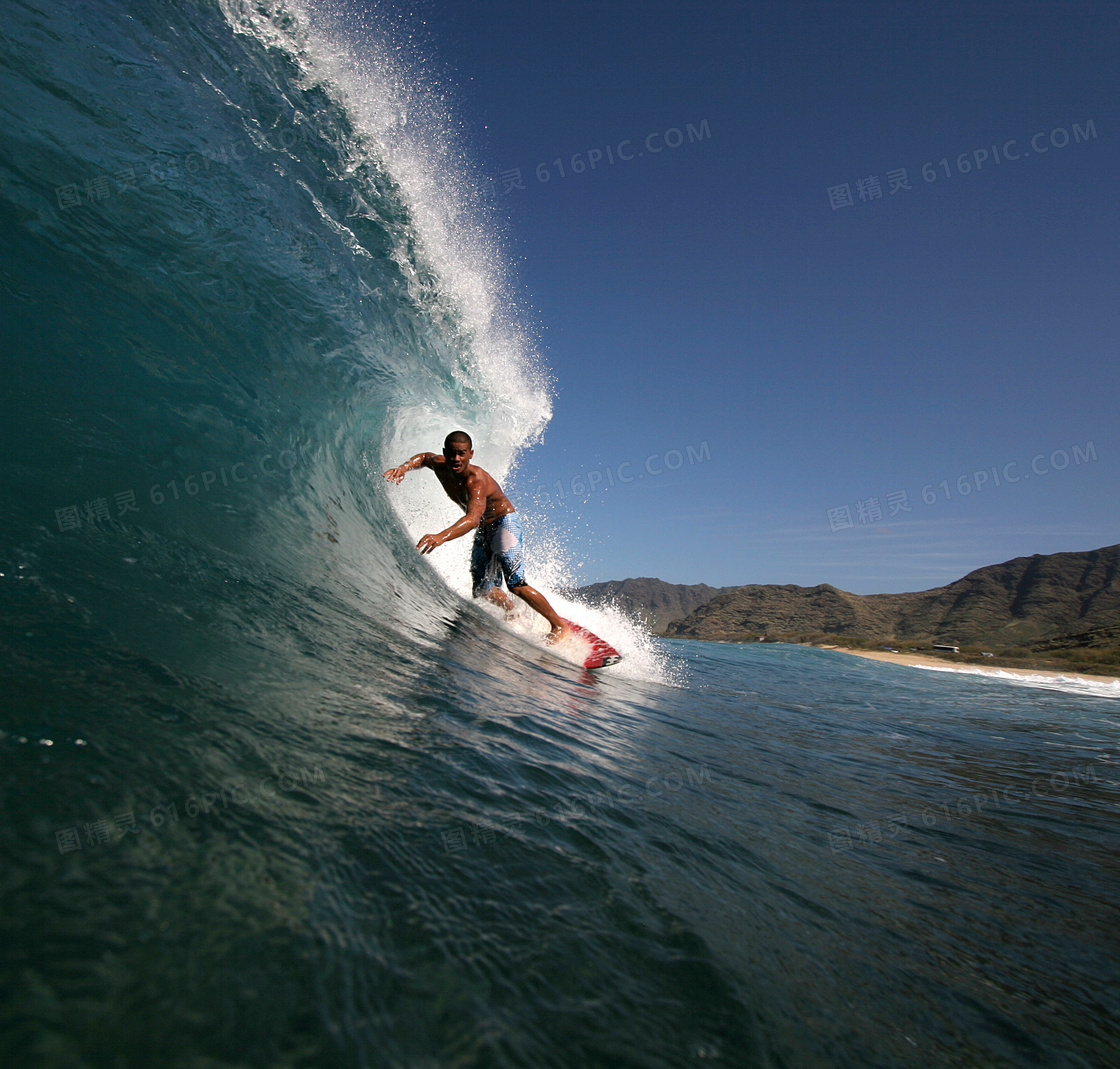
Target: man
[{"x": 489, "y": 513}]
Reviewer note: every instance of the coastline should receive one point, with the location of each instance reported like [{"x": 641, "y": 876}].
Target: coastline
[{"x": 921, "y": 660}]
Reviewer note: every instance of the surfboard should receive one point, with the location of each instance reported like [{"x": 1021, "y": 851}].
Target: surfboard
[{"x": 601, "y": 653}]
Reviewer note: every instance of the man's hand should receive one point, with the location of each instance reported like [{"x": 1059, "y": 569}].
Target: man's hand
[
  {"x": 395, "y": 475},
  {"x": 430, "y": 542}
]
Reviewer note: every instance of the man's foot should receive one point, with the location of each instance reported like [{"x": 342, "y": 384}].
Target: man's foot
[
  {"x": 557, "y": 632},
  {"x": 536, "y": 600}
]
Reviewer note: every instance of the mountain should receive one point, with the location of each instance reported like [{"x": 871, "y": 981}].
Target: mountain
[
  {"x": 1020, "y": 602},
  {"x": 655, "y": 602}
]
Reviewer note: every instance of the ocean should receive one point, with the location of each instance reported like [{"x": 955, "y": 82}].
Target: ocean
[{"x": 277, "y": 793}]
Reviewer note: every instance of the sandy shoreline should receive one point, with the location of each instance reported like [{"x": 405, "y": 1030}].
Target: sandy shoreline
[{"x": 921, "y": 659}]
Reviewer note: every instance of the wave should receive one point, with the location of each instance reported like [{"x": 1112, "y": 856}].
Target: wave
[
  {"x": 276, "y": 790},
  {"x": 1070, "y": 684},
  {"x": 245, "y": 270}
]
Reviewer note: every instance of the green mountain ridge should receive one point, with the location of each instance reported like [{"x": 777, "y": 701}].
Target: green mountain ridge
[
  {"x": 656, "y": 602},
  {"x": 1058, "y": 601}
]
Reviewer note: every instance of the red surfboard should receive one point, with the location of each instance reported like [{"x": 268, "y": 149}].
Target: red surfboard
[{"x": 601, "y": 654}]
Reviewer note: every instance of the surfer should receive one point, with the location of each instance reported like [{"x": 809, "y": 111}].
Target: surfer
[{"x": 492, "y": 517}]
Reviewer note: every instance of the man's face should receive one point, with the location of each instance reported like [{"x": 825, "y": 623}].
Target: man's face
[{"x": 458, "y": 456}]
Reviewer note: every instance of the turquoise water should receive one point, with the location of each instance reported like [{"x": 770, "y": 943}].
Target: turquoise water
[{"x": 275, "y": 793}]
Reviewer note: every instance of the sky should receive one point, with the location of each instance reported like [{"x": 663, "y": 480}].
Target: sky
[{"x": 838, "y": 302}]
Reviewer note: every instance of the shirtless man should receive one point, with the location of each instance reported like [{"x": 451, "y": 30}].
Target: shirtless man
[{"x": 489, "y": 513}]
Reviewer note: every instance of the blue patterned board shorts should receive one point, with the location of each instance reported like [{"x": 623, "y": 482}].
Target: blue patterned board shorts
[{"x": 496, "y": 553}]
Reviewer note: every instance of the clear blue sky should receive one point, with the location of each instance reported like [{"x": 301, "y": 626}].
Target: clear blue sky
[{"x": 818, "y": 356}]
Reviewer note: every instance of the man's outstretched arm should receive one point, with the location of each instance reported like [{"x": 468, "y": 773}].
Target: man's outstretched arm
[
  {"x": 476, "y": 507},
  {"x": 395, "y": 475}
]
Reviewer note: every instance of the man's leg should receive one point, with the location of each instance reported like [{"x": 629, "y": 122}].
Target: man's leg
[
  {"x": 500, "y": 598},
  {"x": 535, "y": 599},
  {"x": 507, "y": 548}
]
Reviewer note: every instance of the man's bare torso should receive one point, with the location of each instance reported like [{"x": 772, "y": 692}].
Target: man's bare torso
[{"x": 458, "y": 488}]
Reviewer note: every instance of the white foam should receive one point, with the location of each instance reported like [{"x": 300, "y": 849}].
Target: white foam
[
  {"x": 548, "y": 569},
  {"x": 641, "y": 658},
  {"x": 407, "y": 120},
  {"x": 449, "y": 255},
  {"x": 1097, "y": 688}
]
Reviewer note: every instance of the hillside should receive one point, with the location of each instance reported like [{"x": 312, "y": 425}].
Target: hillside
[
  {"x": 1022, "y": 602},
  {"x": 654, "y": 601}
]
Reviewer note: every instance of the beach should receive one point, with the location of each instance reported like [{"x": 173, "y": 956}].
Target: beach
[{"x": 921, "y": 660}]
